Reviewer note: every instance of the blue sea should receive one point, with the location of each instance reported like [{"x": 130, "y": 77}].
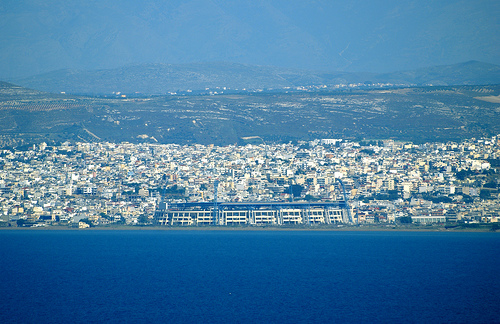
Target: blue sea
[{"x": 212, "y": 276}]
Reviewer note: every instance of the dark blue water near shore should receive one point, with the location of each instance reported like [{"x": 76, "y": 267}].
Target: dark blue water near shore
[{"x": 248, "y": 276}]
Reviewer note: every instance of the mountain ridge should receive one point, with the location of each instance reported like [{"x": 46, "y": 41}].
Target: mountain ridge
[{"x": 160, "y": 78}]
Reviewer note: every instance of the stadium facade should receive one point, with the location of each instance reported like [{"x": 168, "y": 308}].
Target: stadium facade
[{"x": 252, "y": 213}]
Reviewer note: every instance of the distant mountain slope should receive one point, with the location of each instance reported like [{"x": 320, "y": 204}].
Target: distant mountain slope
[
  {"x": 164, "y": 78},
  {"x": 468, "y": 73},
  {"x": 159, "y": 78}
]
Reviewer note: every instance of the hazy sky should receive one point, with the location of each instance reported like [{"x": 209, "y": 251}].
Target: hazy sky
[{"x": 38, "y": 36}]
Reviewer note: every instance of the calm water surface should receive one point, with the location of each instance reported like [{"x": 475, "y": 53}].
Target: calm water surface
[{"x": 248, "y": 276}]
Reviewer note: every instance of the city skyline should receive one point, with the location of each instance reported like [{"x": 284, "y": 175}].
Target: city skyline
[{"x": 126, "y": 183}]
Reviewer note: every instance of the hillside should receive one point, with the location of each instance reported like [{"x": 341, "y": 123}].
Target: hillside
[{"x": 417, "y": 114}]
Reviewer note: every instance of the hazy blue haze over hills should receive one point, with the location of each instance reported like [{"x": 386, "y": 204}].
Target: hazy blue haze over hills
[{"x": 39, "y": 36}]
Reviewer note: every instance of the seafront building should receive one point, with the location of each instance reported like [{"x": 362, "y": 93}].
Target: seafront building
[
  {"x": 107, "y": 183},
  {"x": 277, "y": 213}
]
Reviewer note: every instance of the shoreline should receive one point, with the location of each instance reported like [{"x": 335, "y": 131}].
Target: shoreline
[{"x": 483, "y": 229}]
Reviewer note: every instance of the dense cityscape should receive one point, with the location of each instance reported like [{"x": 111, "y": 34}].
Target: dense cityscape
[{"x": 386, "y": 182}]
